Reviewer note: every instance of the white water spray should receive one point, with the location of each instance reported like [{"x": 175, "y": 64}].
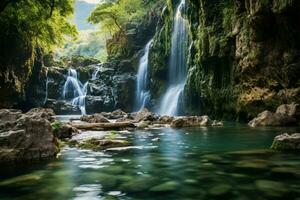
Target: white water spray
[
  {"x": 177, "y": 64},
  {"x": 142, "y": 87},
  {"x": 75, "y": 90}
]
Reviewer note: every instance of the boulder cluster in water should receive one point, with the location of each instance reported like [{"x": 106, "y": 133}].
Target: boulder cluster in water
[{"x": 34, "y": 135}]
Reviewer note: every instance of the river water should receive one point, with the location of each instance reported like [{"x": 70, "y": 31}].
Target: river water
[{"x": 231, "y": 162}]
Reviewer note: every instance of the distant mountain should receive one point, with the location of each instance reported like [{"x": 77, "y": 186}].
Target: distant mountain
[{"x": 82, "y": 12}]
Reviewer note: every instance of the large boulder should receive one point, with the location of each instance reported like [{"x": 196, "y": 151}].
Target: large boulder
[
  {"x": 8, "y": 115},
  {"x": 95, "y": 118},
  {"x": 145, "y": 115},
  {"x": 268, "y": 118},
  {"x": 63, "y": 130},
  {"x": 27, "y": 137},
  {"x": 286, "y": 142},
  {"x": 292, "y": 110},
  {"x": 43, "y": 113},
  {"x": 117, "y": 114},
  {"x": 191, "y": 121}
]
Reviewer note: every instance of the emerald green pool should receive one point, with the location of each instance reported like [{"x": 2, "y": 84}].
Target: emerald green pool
[{"x": 204, "y": 163}]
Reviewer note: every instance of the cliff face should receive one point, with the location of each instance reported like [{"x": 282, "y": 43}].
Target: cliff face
[
  {"x": 17, "y": 62},
  {"x": 244, "y": 56}
]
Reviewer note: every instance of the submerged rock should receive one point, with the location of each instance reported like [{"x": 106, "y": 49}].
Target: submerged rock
[
  {"x": 27, "y": 136},
  {"x": 190, "y": 121},
  {"x": 271, "y": 188},
  {"x": 268, "y": 118},
  {"x": 220, "y": 190},
  {"x": 165, "y": 187},
  {"x": 286, "y": 142}
]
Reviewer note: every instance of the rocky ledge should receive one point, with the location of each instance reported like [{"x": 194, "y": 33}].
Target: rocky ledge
[
  {"x": 26, "y": 137},
  {"x": 286, "y": 142},
  {"x": 144, "y": 119},
  {"x": 285, "y": 115}
]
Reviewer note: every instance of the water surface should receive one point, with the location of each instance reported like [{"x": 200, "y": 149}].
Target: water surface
[{"x": 204, "y": 163}]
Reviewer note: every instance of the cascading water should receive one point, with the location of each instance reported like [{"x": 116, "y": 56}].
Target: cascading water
[
  {"x": 142, "y": 86},
  {"x": 177, "y": 64},
  {"x": 95, "y": 73},
  {"x": 46, "y": 91},
  {"x": 75, "y": 91}
]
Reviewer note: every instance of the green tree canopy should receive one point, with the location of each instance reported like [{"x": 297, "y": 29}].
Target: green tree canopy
[
  {"x": 38, "y": 23},
  {"x": 113, "y": 15}
]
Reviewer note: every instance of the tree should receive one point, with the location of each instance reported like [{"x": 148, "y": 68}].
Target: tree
[
  {"x": 113, "y": 15},
  {"x": 42, "y": 24}
]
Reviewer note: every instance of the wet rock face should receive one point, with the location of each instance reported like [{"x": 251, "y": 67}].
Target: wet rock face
[
  {"x": 243, "y": 57},
  {"x": 25, "y": 137},
  {"x": 286, "y": 142},
  {"x": 112, "y": 87},
  {"x": 61, "y": 107}
]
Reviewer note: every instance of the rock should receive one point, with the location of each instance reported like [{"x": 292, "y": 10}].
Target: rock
[
  {"x": 142, "y": 124},
  {"x": 292, "y": 110},
  {"x": 252, "y": 165},
  {"x": 95, "y": 118},
  {"x": 117, "y": 114},
  {"x": 63, "y": 130},
  {"x": 140, "y": 184},
  {"x": 144, "y": 115},
  {"x": 165, "y": 187},
  {"x": 285, "y": 172},
  {"x": 102, "y": 144},
  {"x": 268, "y": 118},
  {"x": 62, "y": 107},
  {"x": 217, "y": 124},
  {"x": 286, "y": 142},
  {"x": 44, "y": 113},
  {"x": 271, "y": 188},
  {"x": 30, "y": 137},
  {"x": 165, "y": 120},
  {"x": 220, "y": 190},
  {"x": 155, "y": 139},
  {"x": 9, "y": 115},
  {"x": 190, "y": 121}
]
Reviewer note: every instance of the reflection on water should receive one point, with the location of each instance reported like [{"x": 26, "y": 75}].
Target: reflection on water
[{"x": 203, "y": 163}]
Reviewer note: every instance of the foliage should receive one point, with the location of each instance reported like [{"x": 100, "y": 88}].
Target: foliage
[
  {"x": 38, "y": 23},
  {"x": 56, "y": 125},
  {"x": 113, "y": 15},
  {"x": 89, "y": 44}
]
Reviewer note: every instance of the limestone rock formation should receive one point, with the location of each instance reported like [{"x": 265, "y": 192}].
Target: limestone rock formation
[
  {"x": 26, "y": 137},
  {"x": 286, "y": 142}
]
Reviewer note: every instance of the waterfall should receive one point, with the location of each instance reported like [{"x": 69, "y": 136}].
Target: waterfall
[
  {"x": 75, "y": 90},
  {"x": 177, "y": 65},
  {"x": 46, "y": 90},
  {"x": 95, "y": 73},
  {"x": 142, "y": 86}
]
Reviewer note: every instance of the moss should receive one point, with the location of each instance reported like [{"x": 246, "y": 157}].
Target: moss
[
  {"x": 56, "y": 125},
  {"x": 97, "y": 145}
]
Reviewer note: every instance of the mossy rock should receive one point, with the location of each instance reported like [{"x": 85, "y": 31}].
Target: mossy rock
[{"x": 97, "y": 145}]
